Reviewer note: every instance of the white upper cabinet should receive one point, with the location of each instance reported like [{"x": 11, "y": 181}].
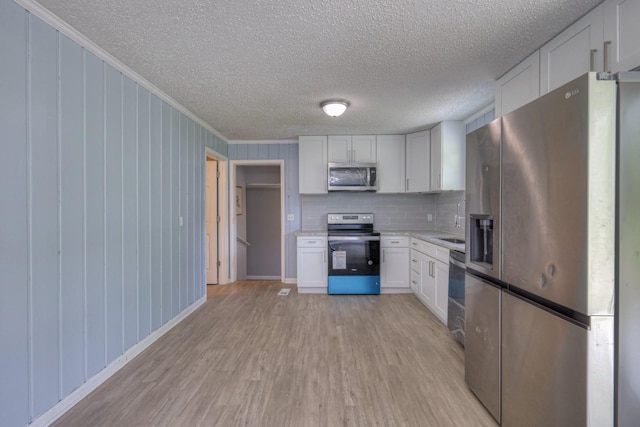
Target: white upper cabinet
[
  {"x": 519, "y": 86},
  {"x": 622, "y": 29},
  {"x": 352, "y": 149},
  {"x": 391, "y": 155},
  {"x": 575, "y": 51},
  {"x": 418, "y": 162},
  {"x": 339, "y": 147},
  {"x": 363, "y": 149},
  {"x": 448, "y": 156},
  {"x": 312, "y": 164}
]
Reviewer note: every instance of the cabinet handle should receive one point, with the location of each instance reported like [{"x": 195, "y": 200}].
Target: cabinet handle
[
  {"x": 414, "y": 260},
  {"x": 431, "y": 268},
  {"x": 605, "y": 56},
  {"x": 414, "y": 282},
  {"x": 592, "y": 60},
  {"x": 383, "y": 257},
  {"x": 395, "y": 241},
  {"x": 406, "y": 185},
  {"x": 309, "y": 242},
  {"x": 324, "y": 256}
]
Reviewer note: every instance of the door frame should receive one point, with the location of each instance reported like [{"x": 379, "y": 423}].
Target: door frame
[
  {"x": 233, "y": 272},
  {"x": 223, "y": 226}
]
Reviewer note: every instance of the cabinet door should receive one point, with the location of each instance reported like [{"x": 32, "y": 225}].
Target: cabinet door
[
  {"x": 519, "y": 86},
  {"x": 575, "y": 51},
  {"x": 312, "y": 165},
  {"x": 435, "y": 183},
  {"x": 428, "y": 281},
  {"x": 394, "y": 268},
  {"x": 312, "y": 267},
  {"x": 363, "y": 149},
  {"x": 621, "y": 28},
  {"x": 418, "y": 158},
  {"x": 391, "y": 155},
  {"x": 441, "y": 302},
  {"x": 339, "y": 148}
]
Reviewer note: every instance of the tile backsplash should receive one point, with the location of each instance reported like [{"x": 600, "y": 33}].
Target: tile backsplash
[
  {"x": 446, "y": 211},
  {"x": 391, "y": 211}
]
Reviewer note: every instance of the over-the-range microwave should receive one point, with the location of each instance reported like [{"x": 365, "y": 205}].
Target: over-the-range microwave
[{"x": 352, "y": 177}]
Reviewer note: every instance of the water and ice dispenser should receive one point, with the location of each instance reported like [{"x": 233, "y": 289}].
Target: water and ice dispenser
[{"x": 481, "y": 240}]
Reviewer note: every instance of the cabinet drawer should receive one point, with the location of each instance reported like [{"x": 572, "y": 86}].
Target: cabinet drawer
[
  {"x": 312, "y": 241},
  {"x": 424, "y": 247},
  {"x": 394, "y": 241},
  {"x": 442, "y": 254},
  {"x": 414, "y": 260},
  {"x": 415, "y": 281}
]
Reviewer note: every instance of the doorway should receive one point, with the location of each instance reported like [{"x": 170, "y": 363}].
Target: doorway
[
  {"x": 259, "y": 219},
  {"x": 216, "y": 220}
]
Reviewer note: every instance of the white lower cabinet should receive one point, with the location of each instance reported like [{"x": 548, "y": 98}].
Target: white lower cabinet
[
  {"x": 312, "y": 264},
  {"x": 394, "y": 264},
  {"x": 430, "y": 276}
]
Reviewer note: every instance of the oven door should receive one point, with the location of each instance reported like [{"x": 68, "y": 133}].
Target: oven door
[{"x": 354, "y": 255}]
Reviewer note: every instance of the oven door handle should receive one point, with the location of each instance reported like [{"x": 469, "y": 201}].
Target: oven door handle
[
  {"x": 354, "y": 238},
  {"x": 457, "y": 263}
]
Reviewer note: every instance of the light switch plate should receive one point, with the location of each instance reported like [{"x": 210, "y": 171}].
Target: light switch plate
[
  {"x": 429, "y": 217},
  {"x": 290, "y": 217}
]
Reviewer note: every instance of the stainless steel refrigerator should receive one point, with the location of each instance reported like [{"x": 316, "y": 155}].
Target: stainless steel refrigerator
[{"x": 546, "y": 257}]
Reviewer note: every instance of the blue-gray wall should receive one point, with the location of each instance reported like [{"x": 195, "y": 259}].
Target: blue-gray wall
[
  {"x": 288, "y": 153},
  {"x": 481, "y": 121},
  {"x": 94, "y": 173}
]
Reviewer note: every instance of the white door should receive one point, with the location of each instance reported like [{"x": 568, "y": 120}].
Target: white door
[{"x": 212, "y": 221}]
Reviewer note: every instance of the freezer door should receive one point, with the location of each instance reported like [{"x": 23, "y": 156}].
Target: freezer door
[
  {"x": 558, "y": 181},
  {"x": 482, "y": 342},
  {"x": 554, "y": 372},
  {"x": 483, "y": 199}
]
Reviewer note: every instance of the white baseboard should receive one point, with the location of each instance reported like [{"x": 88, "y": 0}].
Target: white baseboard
[
  {"x": 318, "y": 290},
  {"x": 406, "y": 290},
  {"x": 290, "y": 281},
  {"x": 94, "y": 382},
  {"x": 263, "y": 277}
]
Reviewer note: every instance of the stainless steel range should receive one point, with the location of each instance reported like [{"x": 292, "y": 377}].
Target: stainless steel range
[{"x": 354, "y": 254}]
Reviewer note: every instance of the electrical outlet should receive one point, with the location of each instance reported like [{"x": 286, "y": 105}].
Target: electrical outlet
[
  {"x": 290, "y": 217},
  {"x": 429, "y": 217}
]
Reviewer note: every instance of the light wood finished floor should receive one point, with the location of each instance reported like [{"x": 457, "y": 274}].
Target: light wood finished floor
[{"x": 248, "y": 357}]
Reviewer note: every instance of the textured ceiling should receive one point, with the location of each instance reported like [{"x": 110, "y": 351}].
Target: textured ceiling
[{"x": 258, "y": 69}]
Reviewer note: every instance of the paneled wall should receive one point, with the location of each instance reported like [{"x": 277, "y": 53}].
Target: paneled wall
[
  {"x": 95, "y": 174},
  {"x": 288, "y": 153}
]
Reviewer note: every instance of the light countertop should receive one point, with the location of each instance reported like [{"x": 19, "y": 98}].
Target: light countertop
[{"x": 430, "y": 236}]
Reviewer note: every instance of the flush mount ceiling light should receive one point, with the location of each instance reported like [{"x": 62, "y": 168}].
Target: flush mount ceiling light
[{"x": 334, "y": 107}]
